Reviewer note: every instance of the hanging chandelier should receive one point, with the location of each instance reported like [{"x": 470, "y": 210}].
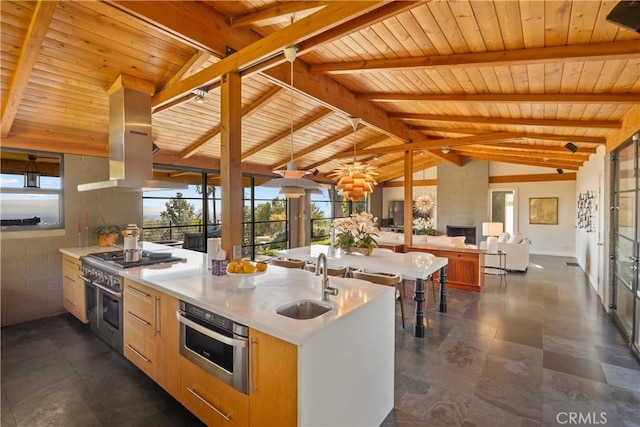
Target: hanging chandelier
[
  {"x": 292, "y": 184},
  {"x": 355, "y": 180},
  {"x": 424, "y": 203}
]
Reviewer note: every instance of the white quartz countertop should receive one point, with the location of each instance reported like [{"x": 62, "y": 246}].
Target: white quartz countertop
[{"x": 193, "y": 282}]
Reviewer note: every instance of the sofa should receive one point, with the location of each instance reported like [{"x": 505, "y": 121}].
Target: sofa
[
  {"x": 517, "y": 249},
  {"x": 395, "y": 241}
]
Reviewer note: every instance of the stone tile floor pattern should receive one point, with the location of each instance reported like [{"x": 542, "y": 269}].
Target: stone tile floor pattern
[{"x": 528, "y": 353}]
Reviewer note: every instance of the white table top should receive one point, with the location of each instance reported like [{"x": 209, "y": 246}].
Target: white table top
[
  {"x": 412, "y": 265},
  {"x": 193, "y": 282}
]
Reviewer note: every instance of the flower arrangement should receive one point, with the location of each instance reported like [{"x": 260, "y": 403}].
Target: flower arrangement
[
  {"x": 357, "y": 231},
  {"x": 423, "y": 226}
]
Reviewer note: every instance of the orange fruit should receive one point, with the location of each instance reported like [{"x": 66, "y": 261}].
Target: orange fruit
[{"x": 261, "y": 266}]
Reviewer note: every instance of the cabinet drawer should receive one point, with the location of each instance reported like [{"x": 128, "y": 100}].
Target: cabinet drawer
[
  {"x": 211, "y": 400},
  {"x": 140, "y": 349}
]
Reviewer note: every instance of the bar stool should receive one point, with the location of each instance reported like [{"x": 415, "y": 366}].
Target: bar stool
[
  {"x": 338, "y": 272},
  {"x": 291, "y": 263},
  {"x": 384, "y": 279}
]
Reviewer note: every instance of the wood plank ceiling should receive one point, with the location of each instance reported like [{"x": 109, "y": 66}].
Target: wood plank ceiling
[{"x": 506, "y": 81}]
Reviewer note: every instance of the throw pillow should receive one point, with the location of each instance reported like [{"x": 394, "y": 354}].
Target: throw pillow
[
  {"x": 516, "y": 238},
  {"x": 503, "y": 238}
]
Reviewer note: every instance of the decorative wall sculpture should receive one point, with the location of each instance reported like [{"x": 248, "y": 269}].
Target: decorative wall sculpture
[{"x": 586, "y": 211}]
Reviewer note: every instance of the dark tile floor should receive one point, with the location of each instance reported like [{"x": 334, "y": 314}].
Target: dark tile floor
[{"x": 533, "y": 352}]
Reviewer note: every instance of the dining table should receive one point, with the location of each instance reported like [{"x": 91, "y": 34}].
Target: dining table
[{"x": 418, "y": 266}]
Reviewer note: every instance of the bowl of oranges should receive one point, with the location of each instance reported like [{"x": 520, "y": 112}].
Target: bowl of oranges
[{"x": 246, "y": 270}]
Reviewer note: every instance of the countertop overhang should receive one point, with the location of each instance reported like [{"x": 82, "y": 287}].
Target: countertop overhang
[{"x": 192, "y": 281}]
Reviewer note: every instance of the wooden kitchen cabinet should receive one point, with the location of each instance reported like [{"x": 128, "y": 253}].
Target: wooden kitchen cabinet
[
  {"x": 274, "y": 372},
  {"x": 212, "y": 400},
  {"x": 73, "y": 298},
  {"x": 150, "y": 334}
]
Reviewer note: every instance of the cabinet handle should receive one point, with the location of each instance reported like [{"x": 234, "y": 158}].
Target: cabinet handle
[
  {"x": 155, "y": 315},
  {"x": 144, "y": 322},
  {"x": 134, "y": 290},
  {"x": 253, "y": 355},
  {"x": 70, "y": 278},
  {"x": 69, "y": 301},
  {"x": 227, "y": 417},
  {"x": 137, "y": 353}
]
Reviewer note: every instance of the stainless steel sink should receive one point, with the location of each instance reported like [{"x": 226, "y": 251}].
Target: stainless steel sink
[{"x": 303, "y": 309}]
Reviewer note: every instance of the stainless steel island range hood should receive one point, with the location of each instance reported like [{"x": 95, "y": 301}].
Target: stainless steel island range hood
[{"x": 130, "y": 143}]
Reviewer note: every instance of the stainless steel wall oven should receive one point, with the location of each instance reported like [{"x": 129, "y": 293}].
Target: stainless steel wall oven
[{"x": 216, "y": 344}]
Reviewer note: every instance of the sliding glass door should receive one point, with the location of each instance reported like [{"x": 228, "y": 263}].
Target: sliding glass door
[{"x": 626, "y": 237}]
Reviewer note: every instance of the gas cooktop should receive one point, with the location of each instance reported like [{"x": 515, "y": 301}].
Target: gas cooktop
[{"x": 116, "y": 258}]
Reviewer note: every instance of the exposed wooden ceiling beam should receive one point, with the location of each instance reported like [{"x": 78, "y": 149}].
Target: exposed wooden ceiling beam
[
  {"x": 392, "y": 9},
  {"x": 192, "y": 148},
  {"x": 322, "y": 89},
  {"x": 398, "y": 172},
  {"x": 532, "y": 178},
  {"x": 524, "y": 160},
  {"x": 604, "y": 124},
  {"x": 542, "y": 148},
  {"x": 324, "y": 112},
  {"x": 328, "y": 17},
  {"x": 190, "y": 67},
  {"x": 42, "y": 15},
  {"x": 450, "y": 142},
  {"x": 499, "y": 151},
  {"x": 359, "y": 146},
  {"x": 191, "y": 22},
  {"x": 627, "y": 49},
  {"x": 511, "y": 98},
  {"x": 277, "y": 11},
  {"x": 313, "y": 147},
  {"x": 527, "y": 135}
]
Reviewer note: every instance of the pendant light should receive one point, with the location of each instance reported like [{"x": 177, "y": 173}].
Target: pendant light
[
  {"x": 31, "y": 173},
  {"x": 292, "y": 184},
  {"x": 424, "y": 203},
  {"x": 355, "y": 180}
]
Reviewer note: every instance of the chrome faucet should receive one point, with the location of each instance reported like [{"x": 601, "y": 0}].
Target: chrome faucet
[{"x": 327, "y": 290}]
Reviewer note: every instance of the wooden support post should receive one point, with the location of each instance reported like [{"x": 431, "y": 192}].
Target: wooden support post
[{"x": 230, "y": 161}]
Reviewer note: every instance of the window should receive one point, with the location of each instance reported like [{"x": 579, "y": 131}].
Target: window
[
  {"x": 264, "y": 222},
  {"x": 31, "y": 208},
  {"x": 168, "y": 215},
  {"x": 321, "y": 216}
]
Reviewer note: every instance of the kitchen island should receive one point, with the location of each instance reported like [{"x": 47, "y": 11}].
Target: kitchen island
[{"x": 343, "y": 360}]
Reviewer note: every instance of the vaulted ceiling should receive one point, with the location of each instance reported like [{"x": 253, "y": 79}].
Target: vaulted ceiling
[{"x": 507, "y": 81}]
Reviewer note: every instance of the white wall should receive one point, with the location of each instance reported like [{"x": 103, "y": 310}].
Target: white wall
[{"x": 591, "y": 178}]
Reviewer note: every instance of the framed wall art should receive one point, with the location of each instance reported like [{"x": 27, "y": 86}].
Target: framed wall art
[{"x": 543, "y": 210}]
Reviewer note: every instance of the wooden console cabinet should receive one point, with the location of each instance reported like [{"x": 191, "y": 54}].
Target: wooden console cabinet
[{"x": 465, "y": 269}]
